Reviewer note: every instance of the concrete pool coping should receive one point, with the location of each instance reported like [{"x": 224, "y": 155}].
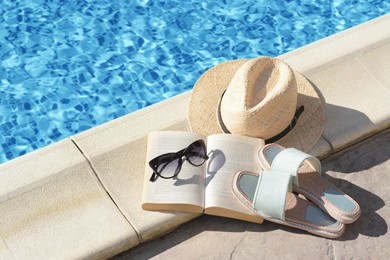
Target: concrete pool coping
[{"x": 80, "y": 197}]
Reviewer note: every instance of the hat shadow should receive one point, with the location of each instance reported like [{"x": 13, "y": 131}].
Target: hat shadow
[
  {"x": 341, "y": 128},
  {"x": 361, "y": 158}
]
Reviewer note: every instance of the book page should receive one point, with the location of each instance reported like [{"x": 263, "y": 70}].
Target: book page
[
  {"x": 187, "y": 187},
  {"x": 228, "y": 155}
]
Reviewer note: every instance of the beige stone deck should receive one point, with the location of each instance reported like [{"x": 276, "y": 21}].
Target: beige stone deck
[{"x": 80, "y": 198}]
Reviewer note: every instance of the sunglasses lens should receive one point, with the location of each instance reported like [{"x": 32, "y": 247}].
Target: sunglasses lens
[
  {"x": 169, "y": 165},
  {"x": 169, "y": 169},
  {"x": 197, "y": 154}
]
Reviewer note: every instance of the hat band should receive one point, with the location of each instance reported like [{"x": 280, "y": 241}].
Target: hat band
[{"x": 298, "y": 112}]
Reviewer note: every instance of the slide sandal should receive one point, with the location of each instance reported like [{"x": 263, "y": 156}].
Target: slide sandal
[
  {"x": 307, "y": 180},
  {"x": 267, "y": 194}
]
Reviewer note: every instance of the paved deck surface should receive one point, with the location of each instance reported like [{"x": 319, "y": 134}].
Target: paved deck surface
[{"x": 362, "y": 171}]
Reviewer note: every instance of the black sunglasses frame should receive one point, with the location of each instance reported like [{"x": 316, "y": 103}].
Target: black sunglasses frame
[{"x": 169, "y": 157}]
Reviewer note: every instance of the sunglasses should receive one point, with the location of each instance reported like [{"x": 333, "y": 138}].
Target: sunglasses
[{"x": 168, "y": 165}]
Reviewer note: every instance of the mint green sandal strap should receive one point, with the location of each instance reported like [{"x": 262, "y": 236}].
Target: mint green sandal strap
[
  {"x": 270, "y": 195},
  {"x": 290, "y": 159}
]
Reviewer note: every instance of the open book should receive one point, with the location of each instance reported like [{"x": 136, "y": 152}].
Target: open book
[{"x": 207, "y": 188}]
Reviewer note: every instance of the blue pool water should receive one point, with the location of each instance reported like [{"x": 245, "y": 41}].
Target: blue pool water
[{"x": 67, "y": 66}]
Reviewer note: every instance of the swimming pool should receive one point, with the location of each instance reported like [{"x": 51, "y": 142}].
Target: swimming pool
[{"x": 67, "y": 66}]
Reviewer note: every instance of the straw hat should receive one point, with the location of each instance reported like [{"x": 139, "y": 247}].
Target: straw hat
[{"x": 261, "y": 97}]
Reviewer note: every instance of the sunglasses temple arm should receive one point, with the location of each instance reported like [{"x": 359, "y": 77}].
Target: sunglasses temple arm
[{"x": 153, "y": 177}]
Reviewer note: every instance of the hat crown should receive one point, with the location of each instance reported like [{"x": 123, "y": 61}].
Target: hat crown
[{"x": 261, "y": 98}]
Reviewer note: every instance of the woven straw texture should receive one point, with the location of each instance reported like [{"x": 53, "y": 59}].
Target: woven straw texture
[
  {"x": 211, "y": 85},
  {"x": 261, "y": 98}
]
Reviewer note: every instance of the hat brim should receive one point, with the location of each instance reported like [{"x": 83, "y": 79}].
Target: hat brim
[{"x": 205, "y": 96}]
